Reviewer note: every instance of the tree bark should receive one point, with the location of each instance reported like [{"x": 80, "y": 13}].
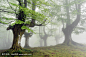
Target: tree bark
[
  {"x": 16, "y": 32},
  {"x": 15, "y": 40}
]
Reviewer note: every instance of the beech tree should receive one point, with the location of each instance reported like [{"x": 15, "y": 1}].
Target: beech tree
[
  {"x": 43, "y": 35},
  {"x": 70, "y": 14},
  {"x": 69, "y": 24},
  {"x": 26, "y": 17},
  {"x": 27, "y": 35}
]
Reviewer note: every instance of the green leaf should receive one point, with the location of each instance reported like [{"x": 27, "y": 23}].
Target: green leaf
[
  {"x": 3, "y": 22},
  {"x": 25, "y": 27},
  {"x": 13, "y": 4}
]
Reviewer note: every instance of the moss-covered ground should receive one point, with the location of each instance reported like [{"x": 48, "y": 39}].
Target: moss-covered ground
[{"x": 50, "y": 51}]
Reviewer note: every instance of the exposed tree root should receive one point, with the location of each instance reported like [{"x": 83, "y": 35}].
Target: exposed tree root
[{"x": 72, "y": 43}]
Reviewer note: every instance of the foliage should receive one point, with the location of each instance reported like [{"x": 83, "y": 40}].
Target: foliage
[
  {"x": 15, "y": 8},
  {"x": 24, "y": 27},
  {"x": 59, "y": 12}
]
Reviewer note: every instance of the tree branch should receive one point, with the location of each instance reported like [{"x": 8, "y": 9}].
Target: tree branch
[
  {"x": 75, "y": 23},
  {"x": 41, "y": 23},
  {"x": 25, "y": 3},
  {"x": 11, "y": 6},
  {"x": 2, "y": 10}
]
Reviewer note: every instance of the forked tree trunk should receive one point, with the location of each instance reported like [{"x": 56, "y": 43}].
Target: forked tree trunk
[{"x": 69, "y": 28}]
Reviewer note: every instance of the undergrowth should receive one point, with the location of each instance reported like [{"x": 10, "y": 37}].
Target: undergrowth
[{"x": 51, "y": 51}]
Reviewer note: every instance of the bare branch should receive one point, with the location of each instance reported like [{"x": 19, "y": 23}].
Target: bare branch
[
  {"x": 11, "y": 6},
  {"x": 41, "y": 23},
  {"x": 2, "y": 10},
  {"x": 44, "y": 30}
]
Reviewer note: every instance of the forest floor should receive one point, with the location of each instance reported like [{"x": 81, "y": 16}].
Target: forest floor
[{"x": 54, "y": 51}]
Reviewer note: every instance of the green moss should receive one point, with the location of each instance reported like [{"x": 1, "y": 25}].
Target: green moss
[{"x": 54, "y": 51}]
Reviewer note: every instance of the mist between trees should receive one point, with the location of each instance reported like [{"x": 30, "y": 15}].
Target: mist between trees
[{"x": 36, "y": 23}]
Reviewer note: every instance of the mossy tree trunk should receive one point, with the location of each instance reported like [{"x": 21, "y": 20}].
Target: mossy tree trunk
[
  {"x": 16, "y": 32},
  {"x": 17, "y": 27}
]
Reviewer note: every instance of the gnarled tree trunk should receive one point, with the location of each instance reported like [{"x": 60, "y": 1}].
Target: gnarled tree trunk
[
  {"x": 16, "y": 32},
  {"x": 69, "y": 28}
]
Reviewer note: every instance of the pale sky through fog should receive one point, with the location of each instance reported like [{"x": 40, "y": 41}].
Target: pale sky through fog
[
  {"x": 33, "y": 41},
  {"x": 81, "y": 38}
]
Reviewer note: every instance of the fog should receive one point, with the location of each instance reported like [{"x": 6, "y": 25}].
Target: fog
[
  {"x": 34, "y": 39},
  {"x": 61, "y": 16}
]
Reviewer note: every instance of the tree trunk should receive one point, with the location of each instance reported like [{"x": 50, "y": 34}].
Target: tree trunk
[
  {"x": 45, "y": 41},
  {"x": 67, "y": 39},
  {"x": 41, "y": 43},
  {"x": 15, "y": 41},
  {"x": 57, "y": 42},
  {"x": 26, "y": 42},
  {"x": 67, "y": 32},
  {"x": 70, "y": 26},
  {"x": 16, "y": 32},
  {"x": 21, "y": 33}
]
